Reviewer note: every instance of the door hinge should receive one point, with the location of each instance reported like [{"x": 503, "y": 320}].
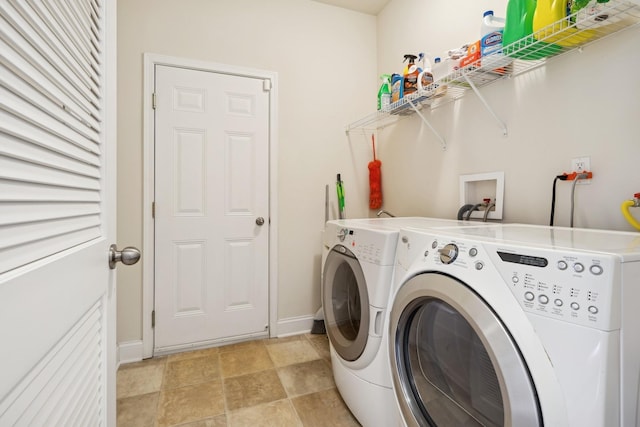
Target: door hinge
[
  {"x": 153, "y": 209},
  {"x": 266, "y": 85},
  {"x": 153, "y": 100},
  {"x": 153, "y": 319}
]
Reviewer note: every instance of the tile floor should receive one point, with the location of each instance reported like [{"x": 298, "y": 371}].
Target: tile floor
[{"x": 276, "y": 382}]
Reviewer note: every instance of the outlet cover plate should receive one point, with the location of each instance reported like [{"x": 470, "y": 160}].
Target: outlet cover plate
[{"x": 581, "y": 164}]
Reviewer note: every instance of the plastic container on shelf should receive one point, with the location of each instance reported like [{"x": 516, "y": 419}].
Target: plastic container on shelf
[
  {"x": 551, "y": 25},
  {"x": 595, "y": 13},
  {"x": 517, "y": 39},
  {"x": 384, "y": 93},
  {"x": 440, "y": 71},
  {"x": 491, "y": 32}
]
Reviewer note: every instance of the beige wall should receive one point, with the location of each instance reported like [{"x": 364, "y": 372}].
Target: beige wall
[
  {"x": 581, "y": 104},
  {"x": 325, "y": 58}
]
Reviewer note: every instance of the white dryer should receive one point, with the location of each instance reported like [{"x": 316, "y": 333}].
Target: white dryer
[
  {"x": 358, "y": 265},
  {"x": 517, "y": 326}
]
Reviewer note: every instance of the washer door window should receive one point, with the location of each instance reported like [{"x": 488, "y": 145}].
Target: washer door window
[
  {"x": 345, "y": 302},
  {"x": 455, "y": 362}
]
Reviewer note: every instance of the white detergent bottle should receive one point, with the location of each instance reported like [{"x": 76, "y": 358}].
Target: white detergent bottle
[
  {"x": 491, "y": 40},
  {"x": 425, "y": 78},
  {"x": 439, "y": 70}
]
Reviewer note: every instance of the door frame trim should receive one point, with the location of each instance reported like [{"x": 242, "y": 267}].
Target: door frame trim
[{"x": 148, "y": 238}]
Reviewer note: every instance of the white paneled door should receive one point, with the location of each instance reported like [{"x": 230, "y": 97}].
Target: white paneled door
[
  {"x": 57, "y": 213},
  {"x": 211, "y": 207}
]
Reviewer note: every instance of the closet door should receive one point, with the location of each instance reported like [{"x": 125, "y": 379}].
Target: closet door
[{"x": 57, "y": 217}]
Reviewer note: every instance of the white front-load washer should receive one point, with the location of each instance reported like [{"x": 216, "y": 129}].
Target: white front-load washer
[
  {"x": 358, "y": 265},
  {"x": 516, "y": 326}
]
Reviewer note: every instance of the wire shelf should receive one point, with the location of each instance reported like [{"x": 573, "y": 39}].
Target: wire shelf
[{"x": 574, "y": 32}]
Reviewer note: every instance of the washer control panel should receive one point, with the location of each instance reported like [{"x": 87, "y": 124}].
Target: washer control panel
[
  {"x": 577, "y": 287},
  {"x": 370, "y": 246}
]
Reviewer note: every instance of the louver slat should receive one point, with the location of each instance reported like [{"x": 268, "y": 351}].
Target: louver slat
[
  {"x": 50, "y": 128},
  {"x": 74, "y": 361}
]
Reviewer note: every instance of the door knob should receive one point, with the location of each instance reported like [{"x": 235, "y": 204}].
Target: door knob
[
  {"x": 260, "y": 221},
  {"x": 128, "y": 256}
]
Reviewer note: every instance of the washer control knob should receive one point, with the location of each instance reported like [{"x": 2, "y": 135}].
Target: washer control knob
[
  {"x": 342, "y": 234},
  {"x": 448, "y": 253}
]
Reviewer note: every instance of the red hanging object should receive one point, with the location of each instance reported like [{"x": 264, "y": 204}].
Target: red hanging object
[{"x": 375, "y": 180}]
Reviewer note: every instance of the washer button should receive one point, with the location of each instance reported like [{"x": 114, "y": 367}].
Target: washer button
[
  {"x": 558, "y": 302},
  {"x": 515, "y": 279},
  {"x": 596, "y": 269},
  {"x": 543, "y": 299},
  {"x": 562, "y": 265},
  {"x": 578, "y": 268},
  {"x": 575, "y": 306},
  {"x": 529, "y": 296},
  {"x": 434, "y": 244},
  {"x": 593, "y": 309},
  {"x": 473, "y": 252},
  {"x": 479, "y": 265}
]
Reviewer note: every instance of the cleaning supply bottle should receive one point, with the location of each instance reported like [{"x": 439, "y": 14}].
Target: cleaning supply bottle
[
  {"x": 491, "y": 32},
  {"x": 384, "y": 93},
  {"x": 425, "y": 77},
  {"x": 397, "y": 83},
  {"x": 593, "y": 14},
  {"x": 410, "y": 75},
  {"x": 517, "y": 37},
  {"x": 439, "y": 70},
  {"x": 550, "y": 24}
]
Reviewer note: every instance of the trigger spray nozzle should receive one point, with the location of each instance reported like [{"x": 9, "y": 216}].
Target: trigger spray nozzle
[{"x": 411, "y": 58}]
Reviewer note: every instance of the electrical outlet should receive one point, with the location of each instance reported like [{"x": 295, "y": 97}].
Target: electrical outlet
[{"x": 581, "y": 164}]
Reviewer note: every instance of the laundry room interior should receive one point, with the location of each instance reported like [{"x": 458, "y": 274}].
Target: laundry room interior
[
  {"x": 521, "y": 131},
  {"x": 328, "y": 60}
]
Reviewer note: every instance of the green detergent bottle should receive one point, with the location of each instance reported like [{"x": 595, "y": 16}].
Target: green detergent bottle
[{"x": 517, "y": 38}]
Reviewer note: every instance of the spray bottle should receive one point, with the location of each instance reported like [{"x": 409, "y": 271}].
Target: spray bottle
[
  {"x": 384, "y": 94},
  {"x": 410, "y": 75}
]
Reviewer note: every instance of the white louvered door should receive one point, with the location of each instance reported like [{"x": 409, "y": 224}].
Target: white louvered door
[{"x": 57, "y": 212}]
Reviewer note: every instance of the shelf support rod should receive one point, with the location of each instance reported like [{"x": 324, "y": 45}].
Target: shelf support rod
[
  {"x": 424, "y": 119},
  {"x": 502, "y": 125}
]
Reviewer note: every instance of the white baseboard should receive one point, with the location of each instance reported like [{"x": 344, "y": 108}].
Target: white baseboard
[
  {"x": 294, "y": 326},
  {"x": 133, "y": 351},
  {"x": 130, "y": 351}
]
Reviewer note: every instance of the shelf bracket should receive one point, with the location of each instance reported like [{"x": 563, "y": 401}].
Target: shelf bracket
[
  {"x": 424, "y": 119},
  {"x": 501, "y": 124}
]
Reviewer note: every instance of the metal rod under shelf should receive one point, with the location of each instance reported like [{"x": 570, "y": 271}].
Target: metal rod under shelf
[{"x": 424, "y": 119}]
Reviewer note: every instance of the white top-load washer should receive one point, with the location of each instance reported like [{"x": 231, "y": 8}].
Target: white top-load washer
[
  {"x": 516, "y": 325},
  {"x": 358, "y": 264}
]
